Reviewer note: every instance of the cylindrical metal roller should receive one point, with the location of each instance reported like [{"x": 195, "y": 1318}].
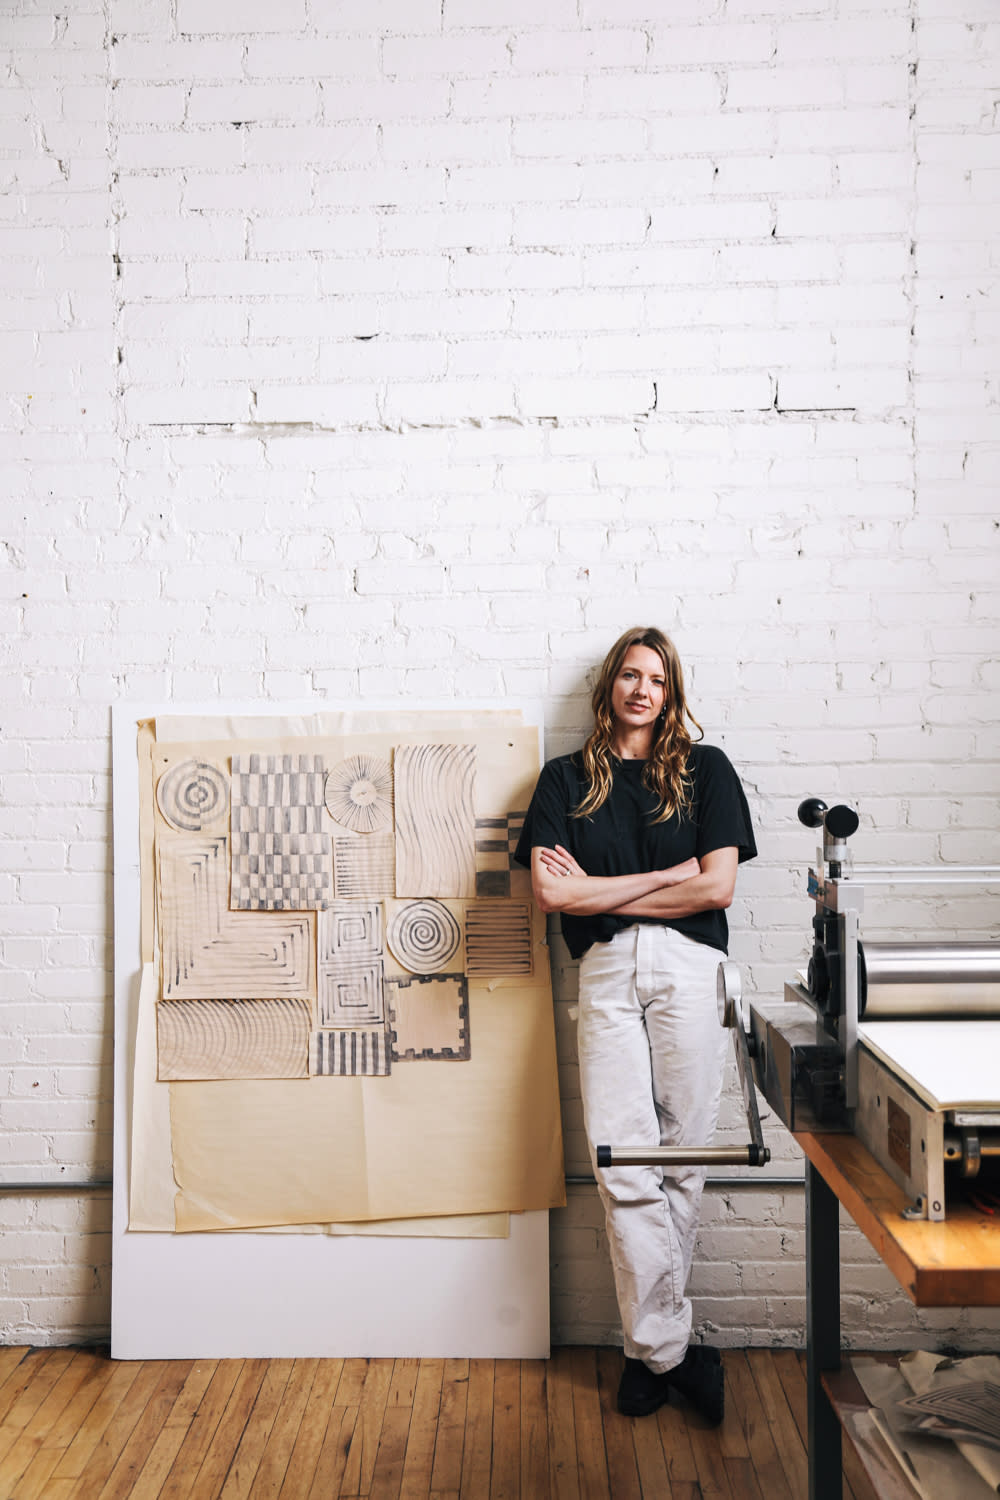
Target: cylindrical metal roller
[
  {"x": 683, "y": 1156},
  {"x": 931, "y": 979}
]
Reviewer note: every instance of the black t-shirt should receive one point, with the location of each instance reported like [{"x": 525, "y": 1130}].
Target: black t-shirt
[{"x": 620, "y": 838}]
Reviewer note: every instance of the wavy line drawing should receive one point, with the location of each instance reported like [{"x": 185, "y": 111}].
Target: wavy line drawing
[
  {"x": 498, "y": 938},
  {"x": 350, "y": 1054},
  {"x": 193, "y": 795},
  {"x": 359, "y": 794},
  {"x": 364, "y": 867},
  {"x": 423, "y": 936},
  {"x": 209, "y": 1039},
  {"x": 429, "y": 1018},
  {"x": 212, "y": 953},
  {"x": 435, "y": 820}
]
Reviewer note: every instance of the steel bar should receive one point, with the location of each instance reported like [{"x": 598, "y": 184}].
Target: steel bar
[{"x": 678, "y": 1156}]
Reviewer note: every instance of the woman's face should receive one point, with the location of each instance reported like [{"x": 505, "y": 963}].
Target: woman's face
[{"x": 639, "y": 690}]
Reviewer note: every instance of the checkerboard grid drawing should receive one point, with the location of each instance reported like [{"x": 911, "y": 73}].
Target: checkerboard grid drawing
[
  {"x": 281, "y": 861},
  {"x": 281, "y": 783},
  {"x": 290, "y": 875},
  {"x": 498, "y": 837},
  {"x": 496, "y": 841}
]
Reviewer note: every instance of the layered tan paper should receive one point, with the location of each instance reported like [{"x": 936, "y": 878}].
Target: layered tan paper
[
  {"x": 449, "y": 1138},
  {"x": 151, "y": 1179},
  {"x": 452, "y": 1146},
  {"x": 153, "y": 1189}
]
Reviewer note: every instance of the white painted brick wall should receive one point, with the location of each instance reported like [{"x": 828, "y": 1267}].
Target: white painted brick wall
[{"x": 398, "y": 348}]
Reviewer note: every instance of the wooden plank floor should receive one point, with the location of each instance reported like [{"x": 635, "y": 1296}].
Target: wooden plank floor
[{"x": 74, "y": 1423}]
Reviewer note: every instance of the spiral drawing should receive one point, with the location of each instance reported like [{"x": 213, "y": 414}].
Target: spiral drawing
[
  {"x": 423, "y": 936},
  {"x": 359, "y": 794},
  {"x": 193, "y": 795}
]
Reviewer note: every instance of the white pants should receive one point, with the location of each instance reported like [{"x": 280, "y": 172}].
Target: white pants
[{"x": 652, "y": 1054}]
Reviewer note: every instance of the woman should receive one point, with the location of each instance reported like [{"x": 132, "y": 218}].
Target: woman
[{"x": 636, "y": 840}]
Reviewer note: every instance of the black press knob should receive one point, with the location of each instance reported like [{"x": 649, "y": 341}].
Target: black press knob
[
  {"x": 811, "y": 812},
  {"x": 841, "y": 821}
]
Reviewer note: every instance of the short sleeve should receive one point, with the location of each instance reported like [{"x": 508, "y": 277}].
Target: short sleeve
[
  {"x": 722, "y": 813},
  {"x": 547, "y": 819}
]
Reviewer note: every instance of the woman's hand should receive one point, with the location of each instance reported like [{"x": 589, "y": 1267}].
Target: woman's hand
[{"x": 560, "y": 862}]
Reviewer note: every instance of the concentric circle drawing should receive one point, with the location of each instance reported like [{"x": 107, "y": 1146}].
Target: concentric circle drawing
[
  {"x": 359, "y": 794},
  {"x": 423, "y": 936},
  {"x": 193, "y": 795}
]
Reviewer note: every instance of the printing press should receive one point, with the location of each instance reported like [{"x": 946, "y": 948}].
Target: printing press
[{"x": 899, "y": 1043}]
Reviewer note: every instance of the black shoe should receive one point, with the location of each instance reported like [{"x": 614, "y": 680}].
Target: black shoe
[
  {"x": 699, "y": 1378},
  {"x": 641, "y": 1390}
]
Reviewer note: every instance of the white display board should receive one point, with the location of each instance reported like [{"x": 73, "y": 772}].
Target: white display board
[{"x": 240, "y": 1294}]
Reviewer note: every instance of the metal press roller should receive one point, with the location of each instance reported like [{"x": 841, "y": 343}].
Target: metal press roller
[
  {"x": 849, "y": 1051},
  {"x": 879, "y": 1031}
]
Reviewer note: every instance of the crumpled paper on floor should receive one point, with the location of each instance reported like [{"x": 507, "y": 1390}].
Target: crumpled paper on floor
[{"x": 935, "y": 1467}]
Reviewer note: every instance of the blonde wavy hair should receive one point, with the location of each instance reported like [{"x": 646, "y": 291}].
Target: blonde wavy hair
[{"x": 666, "y": 772}]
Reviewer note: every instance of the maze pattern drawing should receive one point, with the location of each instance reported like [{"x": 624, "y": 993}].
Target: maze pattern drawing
[
  {"x": 350, "y": 964},
  {"x": 212, "y": 953}
]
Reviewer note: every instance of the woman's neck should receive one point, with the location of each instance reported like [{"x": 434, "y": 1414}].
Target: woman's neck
[{"x": 633, "y": 744}]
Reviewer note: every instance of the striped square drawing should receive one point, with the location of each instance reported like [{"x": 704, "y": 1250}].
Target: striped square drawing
[
  {"x": 350, "y": 1054},
  {"x": 429, "y": 1018},
  {"x": 282, "y": 860},
  {"x": 364, "y": 866},
  {"x": 498, "y": 938}
]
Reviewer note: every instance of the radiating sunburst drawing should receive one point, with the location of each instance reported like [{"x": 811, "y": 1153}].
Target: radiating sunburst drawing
[{"x": 359, "y": 794}]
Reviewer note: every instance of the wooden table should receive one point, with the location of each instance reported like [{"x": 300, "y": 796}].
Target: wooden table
[{"x": 952, "y": 1264}]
